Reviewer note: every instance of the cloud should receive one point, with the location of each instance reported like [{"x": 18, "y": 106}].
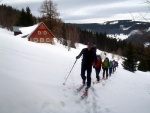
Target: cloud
[
  {"x": 103, "y": 11},
  {"x": 87, "y": 10}
]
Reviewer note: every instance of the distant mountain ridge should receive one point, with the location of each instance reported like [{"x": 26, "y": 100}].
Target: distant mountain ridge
[
  {"x": 137, "y": 31},
  {"x": 115, "y": 27}
]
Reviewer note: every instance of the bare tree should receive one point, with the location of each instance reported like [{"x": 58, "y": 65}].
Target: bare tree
[
  {"x": 148, "y": 1},
  {"x": 49, "y": 11}
]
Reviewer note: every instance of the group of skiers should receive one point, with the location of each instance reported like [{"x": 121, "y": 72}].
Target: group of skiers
[
  {"x": 89, "y": 60},
  {"x": 107, "y": 65}
]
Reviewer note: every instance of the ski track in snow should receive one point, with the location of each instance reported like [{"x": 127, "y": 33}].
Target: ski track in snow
[
  {"x": 91, "y": 101},
  {"x": 148, "y": 89}
]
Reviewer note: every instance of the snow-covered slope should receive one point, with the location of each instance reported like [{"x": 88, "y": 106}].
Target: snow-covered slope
[{"x": 32, "y": 77}]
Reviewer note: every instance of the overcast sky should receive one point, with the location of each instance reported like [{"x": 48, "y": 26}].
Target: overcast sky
[{"x": 89, "y": 11}]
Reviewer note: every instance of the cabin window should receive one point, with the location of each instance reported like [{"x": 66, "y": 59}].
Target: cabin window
[
  {"x": 47, "y": 39},
  {"x": 41, "y": 40},
  {"x": 35, "y": 39},
  {"x": 45, "y": 32},
  {"x": 39, "y": 32}
]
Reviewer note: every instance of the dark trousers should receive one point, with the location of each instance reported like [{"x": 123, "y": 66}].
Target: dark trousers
[
  {"x": 105, "y": 70},
  {"x": 89, "y": 70},
  {"x": 110, "y": 71},
  {"x": 97, "y": 70},
  {"x": 113, "y": 69}
]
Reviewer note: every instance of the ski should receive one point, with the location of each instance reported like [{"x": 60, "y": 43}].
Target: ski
[
  {"x": 80, "y": 88},
  {"x": 96, "y": 82},
  {"x": 84, "y": 94}
]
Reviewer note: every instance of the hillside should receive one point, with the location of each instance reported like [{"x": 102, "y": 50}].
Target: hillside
[
  {"x": 32, "y": 77},
  {"x": 121, "y": 29},
  {"x": 115, "y": 27},
  {"x": 143, "y": 39}
]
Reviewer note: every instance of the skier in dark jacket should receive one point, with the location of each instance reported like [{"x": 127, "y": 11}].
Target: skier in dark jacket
[
  {"x": 110, "y": 67},
  {"x": 88, "y": 57}
]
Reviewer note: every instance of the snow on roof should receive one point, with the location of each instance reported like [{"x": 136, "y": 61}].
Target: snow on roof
[
  {"x": 28, "y": 30},
  {"x": 16, "y": 29},
  {"x": 37, "y": 27}
]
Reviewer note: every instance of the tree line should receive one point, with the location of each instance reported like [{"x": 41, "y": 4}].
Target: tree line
[
  {"x": 136, "y": 57},
  {"x": 69, "y": 34},
  {"x": 8, "y": 16}
]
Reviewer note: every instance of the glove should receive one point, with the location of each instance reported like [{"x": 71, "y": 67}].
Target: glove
[{"x": 77, "y": 57}]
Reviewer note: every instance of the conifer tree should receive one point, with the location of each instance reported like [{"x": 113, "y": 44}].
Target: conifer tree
[
  {"x": 130, "y": 61},
  {"x": 143, "y": 65},
  {"x": 26, "y": 18},
  {"x": 21, "y": 18},
  {"x": 29, "y": 19}
]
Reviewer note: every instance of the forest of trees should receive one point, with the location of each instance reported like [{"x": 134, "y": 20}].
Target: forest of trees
[
  {"x": 70, "y": 34},
  {"x": 25, "y": 18},
  {"x": 8, "y": 16}
]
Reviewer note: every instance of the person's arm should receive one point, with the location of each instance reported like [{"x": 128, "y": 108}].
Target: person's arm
[
  {"x": 95, "y": 58},
  {"x": 108, "y": 64},
  {"x": 103, "y": 65},
  {"x": 77, "y": 57}
]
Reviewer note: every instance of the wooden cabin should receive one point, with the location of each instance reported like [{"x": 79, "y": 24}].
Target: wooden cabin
[{"x": 41, "y": 34}]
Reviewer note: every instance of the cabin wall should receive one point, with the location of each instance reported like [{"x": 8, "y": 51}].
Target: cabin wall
[{"x": 42, "y": 35}]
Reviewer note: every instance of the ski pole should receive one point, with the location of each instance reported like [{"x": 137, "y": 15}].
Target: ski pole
[{"x": 70, "y": 72}]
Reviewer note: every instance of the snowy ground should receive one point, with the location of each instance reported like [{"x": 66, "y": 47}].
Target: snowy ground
[
  {"x": 118, "y": 37},
  {"x": 32, "y": 77}
]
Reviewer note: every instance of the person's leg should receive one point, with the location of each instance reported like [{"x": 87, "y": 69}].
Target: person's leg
[
  {"x": 97, "y": 73},
  {"x": 103, "y": 73},
  {"x": 83, "y": 69},
  {"x": 110, "y": 71},
  {"x": 106, "y": 73},
  {"x": 89, "y": 70}
]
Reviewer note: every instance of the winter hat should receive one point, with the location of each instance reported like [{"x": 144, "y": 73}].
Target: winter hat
[{"x": 90, "y": 43}]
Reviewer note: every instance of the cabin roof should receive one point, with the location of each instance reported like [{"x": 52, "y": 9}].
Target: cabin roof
[
  {"x": 16, "y": 29},
  {"x": 37, "y": 27}
]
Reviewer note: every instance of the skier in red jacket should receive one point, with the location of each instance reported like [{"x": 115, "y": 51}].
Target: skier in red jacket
[{"x": 97, "y": 67}]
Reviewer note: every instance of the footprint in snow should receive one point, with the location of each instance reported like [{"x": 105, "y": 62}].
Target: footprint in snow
[
  {"x": 64, "y": 90},
  {"x": 46, "y": 107},
  {"x": 62, "y": 104},
  {"x": 107, "y": 110}
]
